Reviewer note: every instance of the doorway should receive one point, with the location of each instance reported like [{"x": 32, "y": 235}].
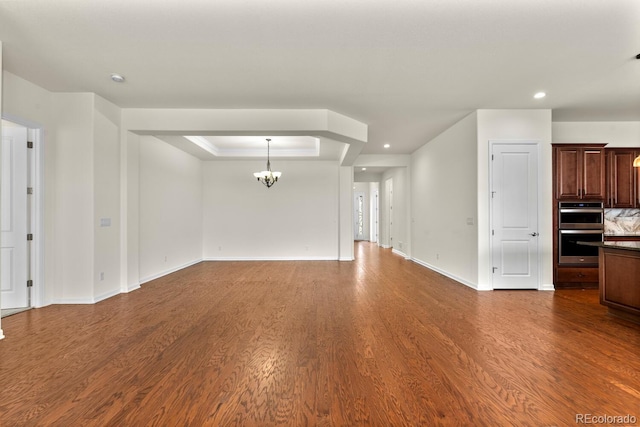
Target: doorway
[
  {"x": 359, "y": 215},
  {"x": 514, "y": 215}
]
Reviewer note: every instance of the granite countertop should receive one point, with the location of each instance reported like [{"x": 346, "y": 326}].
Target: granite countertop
[
  {"x": 625, "y": 234},
  {"x": 630, "y": 246}
]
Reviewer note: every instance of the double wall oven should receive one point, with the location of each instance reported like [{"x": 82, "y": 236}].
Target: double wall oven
[{"x": 579, "y": 222}]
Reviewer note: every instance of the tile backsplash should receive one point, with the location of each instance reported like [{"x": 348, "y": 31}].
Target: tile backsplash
[{"x": 621, "y": 221}]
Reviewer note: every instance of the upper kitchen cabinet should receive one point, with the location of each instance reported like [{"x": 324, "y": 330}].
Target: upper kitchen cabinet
[
  {"x": 622, "y": 178},
  {"x": 579, "y": 171}
]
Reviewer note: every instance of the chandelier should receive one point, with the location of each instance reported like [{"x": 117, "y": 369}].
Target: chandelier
[{"x": 268, "y": 177}]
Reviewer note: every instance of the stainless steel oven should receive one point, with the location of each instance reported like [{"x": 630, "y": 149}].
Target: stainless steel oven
[
  {"x": 579, "y": 222},
  {"x": 580, "y": 215},
  {"x": 571, "y": 252}
]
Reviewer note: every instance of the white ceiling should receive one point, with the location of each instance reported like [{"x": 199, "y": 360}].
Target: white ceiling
[{"x": 407, "y": 68}]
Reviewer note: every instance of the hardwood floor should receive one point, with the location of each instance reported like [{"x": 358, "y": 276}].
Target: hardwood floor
[{"x": 380, "y": 341}]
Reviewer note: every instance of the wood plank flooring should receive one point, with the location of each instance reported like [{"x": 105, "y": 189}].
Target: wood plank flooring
[{"x": 380, "y": 341}]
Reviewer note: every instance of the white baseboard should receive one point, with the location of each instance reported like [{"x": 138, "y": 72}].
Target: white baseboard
[
  {"x": 130, "y": 288},
  {"x": 384, "y": 246},
  {"x": 345, "y": 259},
  {"x": 402, "y": 254},
  {"x": 547, "y": 287},
  {"x": 449, "y": 275},
  {"x": 270, "y": 259},
  {"x": 169, "y": 271},
  {"x": 74, "y": 301},
  {"x": 105, "y": 296},
  {"x": 1, "y": 335}
]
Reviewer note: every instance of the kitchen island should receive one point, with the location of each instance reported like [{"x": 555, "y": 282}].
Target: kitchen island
[{"x": 619, "y": 280}]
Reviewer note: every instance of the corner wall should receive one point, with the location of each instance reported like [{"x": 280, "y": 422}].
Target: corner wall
[
  {"x": 444, "y": 195},
  {"x": 170, "y": 209}
]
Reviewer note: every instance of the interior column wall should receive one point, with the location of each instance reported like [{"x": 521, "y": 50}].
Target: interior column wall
[{"x": 73, "y": 115}]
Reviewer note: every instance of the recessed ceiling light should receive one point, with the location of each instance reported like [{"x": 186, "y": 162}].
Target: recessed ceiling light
[
  {"x": 117, "y": 78},
  {"x": 364, "y": 169},
  {"x": 539, "y": 95},
  {"x": 386, "y": 145}
]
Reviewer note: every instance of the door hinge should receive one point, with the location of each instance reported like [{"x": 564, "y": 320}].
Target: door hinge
[
  {"x": 493, "y": 269},
  {"x": 29, "y": 283},
  {"x": 493, "y": 232},
  {"x": 492, "y": 157},
  {"x": 29, "y": 190},
  {"x": 29, "y": 237},
  {"x": 29, "y": 144}
]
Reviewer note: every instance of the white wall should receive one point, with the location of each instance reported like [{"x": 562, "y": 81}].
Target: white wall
[
  {"x": 345, "y": 215},
  {"x": 614, "y": 134},
  {"x": 106, "y": 188},
  {"x": 530, "y": 125},
  {"x": 130, "y": 204},
  {"x": 74, "y": 205},
  {"x": 297, "y": 218},
  {"x": 444, "y": 194},
  {"x": 170, "y": 221},
  {"x": 1, "y": 333}
]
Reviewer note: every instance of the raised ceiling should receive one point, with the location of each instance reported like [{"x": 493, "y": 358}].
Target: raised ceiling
[{"x": 407, "y": 68}]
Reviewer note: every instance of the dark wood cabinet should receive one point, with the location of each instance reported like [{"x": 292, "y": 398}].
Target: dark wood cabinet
[
  {"x": 579, "y": 171},
  {"x": 622, "y": 178}
]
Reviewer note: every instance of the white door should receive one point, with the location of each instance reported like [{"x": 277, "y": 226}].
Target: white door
[
  {"x": 375, "y": 230},
  {"x": 358, "y": 214},
  {"x": 514, "y": 215},
  {"x": 13, "y": 253},
  {"x": 389, "y": 193}
]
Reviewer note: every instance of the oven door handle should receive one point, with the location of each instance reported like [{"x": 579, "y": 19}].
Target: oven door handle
[
  {"x": 571, "y": 210},
  {"x": 581, "y": 232}
]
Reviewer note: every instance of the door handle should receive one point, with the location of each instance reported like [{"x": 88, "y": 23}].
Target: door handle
[{"x": 534, "y": 234}]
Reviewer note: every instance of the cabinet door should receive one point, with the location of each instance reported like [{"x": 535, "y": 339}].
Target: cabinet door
[
  {"x": 567, "y": 173},
  {"x": 622, "y": 183},
  {"x": 593, "y": 170}
]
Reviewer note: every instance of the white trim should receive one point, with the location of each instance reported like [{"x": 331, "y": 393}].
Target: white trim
[
  {"x": 106, "y": 295},
  {"x": 74, "y": 301},
  {"x": 273, "y": 259},
  {"x": 547, "y": 287},
  {"x": 384, "y": 246},
  {"x": 132, "y": 287},
  {"x": 1, "y": 335},
  {"x": 166, "y": 272},
  {"x": 346, "y": 259},
  {"x": 449, "y": 275},
  {"x": 402, "y": 254}
]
